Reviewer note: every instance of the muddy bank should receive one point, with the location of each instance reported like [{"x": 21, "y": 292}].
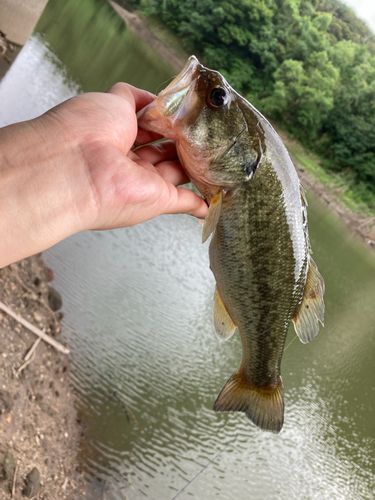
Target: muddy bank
[
  {"x": 361, "y": 225},
  {"x": 39, "y": 428}
]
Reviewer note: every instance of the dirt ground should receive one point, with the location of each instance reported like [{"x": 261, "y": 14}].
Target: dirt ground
[{"x": 39, "y": 428}]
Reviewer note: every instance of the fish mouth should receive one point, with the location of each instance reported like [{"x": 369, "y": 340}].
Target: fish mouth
[
  {"x": 177, "y": 100},
  {"x": 171, "y": 98}
]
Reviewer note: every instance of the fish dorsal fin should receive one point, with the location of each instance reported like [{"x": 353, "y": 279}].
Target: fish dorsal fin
[
  {"x": 311, "y": 310},
  {"x": 223, "y": 323},
  {"x": 213, "y": 214}
]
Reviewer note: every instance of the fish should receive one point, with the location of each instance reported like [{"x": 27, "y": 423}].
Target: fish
[{"x": 260, "y": 252}]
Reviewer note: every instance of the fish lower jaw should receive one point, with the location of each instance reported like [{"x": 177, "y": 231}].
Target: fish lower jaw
[{"x": 150, "y": 119}]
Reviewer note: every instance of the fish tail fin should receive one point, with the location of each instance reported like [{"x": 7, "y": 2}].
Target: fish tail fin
[{"x": 263, "y": 405}]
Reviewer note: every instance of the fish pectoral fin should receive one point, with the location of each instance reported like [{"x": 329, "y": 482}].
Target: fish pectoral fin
[
  {"x": 263, "y": 405},
  {"x": 311, "y": 310},
  {"x": 223, "y": 323},
  {"x": 213, "y": 214}
]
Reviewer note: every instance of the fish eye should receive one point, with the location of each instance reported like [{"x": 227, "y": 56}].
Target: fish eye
[{"x": 218, "y": 97}]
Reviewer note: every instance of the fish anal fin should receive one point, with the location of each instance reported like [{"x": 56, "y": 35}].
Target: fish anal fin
[
  {"x": 311, "y": 310},
  {"x": 213, "y": 214},
  {"x": 223, "y": 323},
  {"x": 263, "y": 405}
]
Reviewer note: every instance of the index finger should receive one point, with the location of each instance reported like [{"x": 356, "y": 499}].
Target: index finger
[
  {"x": 139, "y": 99},
  {"x": 125, "y": 90},
  {"x": 146, "y": 137}
]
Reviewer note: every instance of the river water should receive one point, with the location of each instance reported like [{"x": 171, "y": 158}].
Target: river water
[{"x": 146, "y": 364}]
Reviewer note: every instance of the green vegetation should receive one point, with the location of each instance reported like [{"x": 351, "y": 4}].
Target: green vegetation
[
  {"x": 343, "y": 184},
  {"x": 308, "y": 64}
]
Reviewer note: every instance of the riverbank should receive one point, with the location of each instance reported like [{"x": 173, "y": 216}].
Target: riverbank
[
  {"x": 39, "y": 429},
  {"x": 328, "y": 187}
]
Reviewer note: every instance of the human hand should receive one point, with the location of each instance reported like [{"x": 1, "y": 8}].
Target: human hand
[
  {"x": 127, "y": 187},
  {"x": 72, "y": 169}
]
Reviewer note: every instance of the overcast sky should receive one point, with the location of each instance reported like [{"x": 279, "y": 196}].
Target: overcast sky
[{"x": 365, "y": 9}]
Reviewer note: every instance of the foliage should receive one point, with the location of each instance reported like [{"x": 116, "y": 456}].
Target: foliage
[{"x": 307, "y": 63}]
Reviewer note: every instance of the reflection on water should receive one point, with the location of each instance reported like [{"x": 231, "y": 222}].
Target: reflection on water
[
  {"x": 36, "y": 81},
  {"x": 138, "y": 319},
  {"x": 90, "y": 38},
  {"x": 146, "y": 364}
]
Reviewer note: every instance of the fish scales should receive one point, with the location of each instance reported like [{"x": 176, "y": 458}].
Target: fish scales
[
  {"x": 257, "y": 283},
  {"x": 259, "y": 252}
]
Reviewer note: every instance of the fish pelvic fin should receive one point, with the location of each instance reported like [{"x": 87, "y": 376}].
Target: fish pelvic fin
[
  {"x": 223, "y": 323},
  {"x": 213, "y": 215},
  {"x": 311, "y": 310},
  {"x": 263, "y": 405}
]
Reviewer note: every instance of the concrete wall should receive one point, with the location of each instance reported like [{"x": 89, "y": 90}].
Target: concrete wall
[{"x": 19, "y": 17}]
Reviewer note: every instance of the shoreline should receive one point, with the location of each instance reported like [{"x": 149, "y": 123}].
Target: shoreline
[{"x": 359, "y": 224}]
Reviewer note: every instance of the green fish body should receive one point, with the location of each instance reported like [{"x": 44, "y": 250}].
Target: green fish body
[{"x": 259, "y": 252}]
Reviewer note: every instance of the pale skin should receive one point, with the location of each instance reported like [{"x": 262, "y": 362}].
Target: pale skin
[{"x": 74, "y": 169}]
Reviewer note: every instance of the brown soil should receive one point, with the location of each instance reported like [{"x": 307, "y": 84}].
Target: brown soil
[
  {"x": 361, "y": 225},
  {"x": 38, "y": 421}
]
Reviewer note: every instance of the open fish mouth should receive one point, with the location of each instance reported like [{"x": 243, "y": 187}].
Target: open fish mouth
[
  {"x": 171, "y": 98},
  {"x": 177, "y": 100}
]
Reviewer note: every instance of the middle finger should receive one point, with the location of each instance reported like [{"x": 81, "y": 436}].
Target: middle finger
[
  {"x": 171, "y": 171},
  {"x": 155, "y": 153}
]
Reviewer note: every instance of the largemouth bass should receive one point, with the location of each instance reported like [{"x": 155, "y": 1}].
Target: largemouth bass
[{"x": 259, "y": 252}]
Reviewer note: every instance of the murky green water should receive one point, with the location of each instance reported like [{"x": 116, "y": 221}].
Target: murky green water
[{"x": 137, "y": 305}]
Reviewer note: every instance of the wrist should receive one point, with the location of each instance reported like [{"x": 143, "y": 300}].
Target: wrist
[{"x": 38, "y": 191}]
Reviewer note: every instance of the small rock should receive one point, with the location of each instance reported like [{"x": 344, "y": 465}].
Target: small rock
[
  {"x": 54, "y": 299},
  {"x": 9, "y": 464},
  {"x": 6, "y": 402},
  {"x": 38, "y": 317},
  {"x": 49, "y": 274},
  {"x": 32, "y": 483}
]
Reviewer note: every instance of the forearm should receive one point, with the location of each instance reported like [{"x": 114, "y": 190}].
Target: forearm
[
  {"x": 72, "y": 169},
  {"x": 38, "y": 197}
]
